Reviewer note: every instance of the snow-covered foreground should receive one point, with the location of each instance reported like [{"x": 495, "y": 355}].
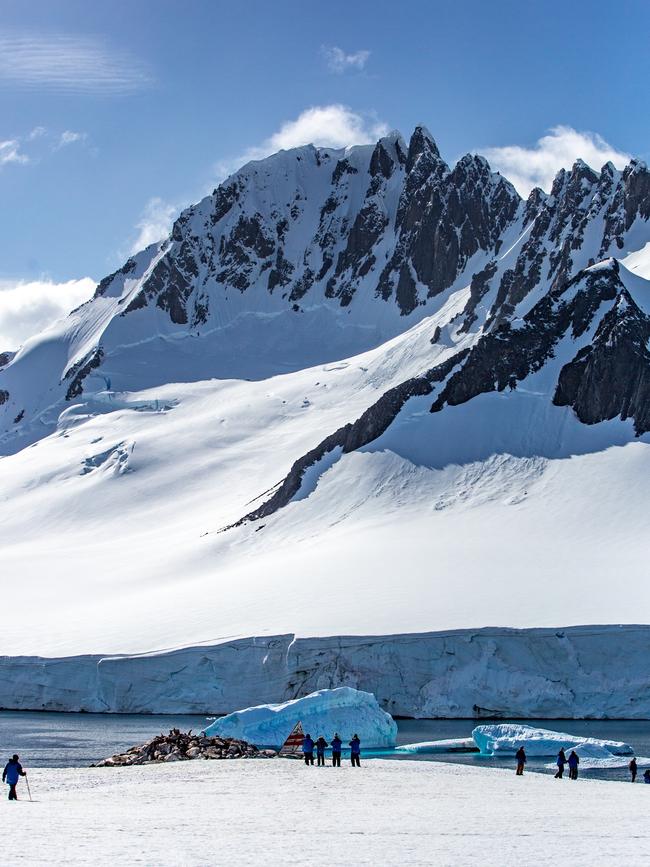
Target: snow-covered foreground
[{"x": 279, "y": 812}]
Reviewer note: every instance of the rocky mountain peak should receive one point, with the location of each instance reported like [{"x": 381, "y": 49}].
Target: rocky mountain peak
[{"x": 421, "y": 144}]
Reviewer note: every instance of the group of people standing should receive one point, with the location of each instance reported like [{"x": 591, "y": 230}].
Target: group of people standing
[
  {"x": 573, "y": 761},
  {"x": 308, "y": 745}
]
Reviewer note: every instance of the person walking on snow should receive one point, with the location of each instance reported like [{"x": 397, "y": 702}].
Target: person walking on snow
[
  {"x": 337, "y": 743},
  {"x": 561, "y": 762},
  {"x": 520, "y": 755},
  {"x": 321, "y": 743},
  {"x": 308, "y": 750},
  {"x": 574, "y": 761},
  {"x": 12, "y": 773},
  {"x": 646, "y": 776},
  {"x": 633, "y": 768},
  {"x": 355, "y": 751}
]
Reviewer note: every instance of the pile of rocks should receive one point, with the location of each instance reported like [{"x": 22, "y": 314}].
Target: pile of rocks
[{"x": 180, "y": 746}]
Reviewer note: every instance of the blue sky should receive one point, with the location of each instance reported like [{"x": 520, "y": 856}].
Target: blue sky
[{"x": 115, "y": 115}]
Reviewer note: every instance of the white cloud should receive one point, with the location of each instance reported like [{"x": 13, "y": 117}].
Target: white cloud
[
  {"x": 559, "y": 148},
  {"x": 77, "y": 64},
  {"x": 10, "y": 152},
  {"x": 37, "y": 132},
  {"x": 154, "y": 224},
  {"x": 325, "y": 125},
  {"x": 69, "y": 137},
  {"x": 338, "y": 61},
  {"x": 27, "y": 307}
]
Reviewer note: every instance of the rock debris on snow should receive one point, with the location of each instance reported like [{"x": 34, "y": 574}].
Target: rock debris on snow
[{"x": 180, "y": 746}]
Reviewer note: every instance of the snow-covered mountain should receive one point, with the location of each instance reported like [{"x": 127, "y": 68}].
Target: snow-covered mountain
[{"x": 354, "y": 392}]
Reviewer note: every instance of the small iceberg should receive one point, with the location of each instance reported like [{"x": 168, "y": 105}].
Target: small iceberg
[
  {"x": 343, "y": 710},
  {"x": 449, "y": 745},
  {"x": 508, "y": 737}
]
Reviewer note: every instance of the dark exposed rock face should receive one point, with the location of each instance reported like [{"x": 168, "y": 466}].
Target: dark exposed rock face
[
  {"x": 4, "y": 396},
  {"x": 611, "y": 376},
  {"x": 6, "y": 357},
  {"x": 443, "y": 218},
  {"x": 507, "y": 355},
  {"x": 103, "y": 285},
  {"x": 78, "y": 372}
]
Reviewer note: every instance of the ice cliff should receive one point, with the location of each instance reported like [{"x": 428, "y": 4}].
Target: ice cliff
[{"x": 594, "y": 672}]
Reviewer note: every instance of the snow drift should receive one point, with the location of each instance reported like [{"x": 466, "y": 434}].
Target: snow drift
[{"x": 343, "y": 710}]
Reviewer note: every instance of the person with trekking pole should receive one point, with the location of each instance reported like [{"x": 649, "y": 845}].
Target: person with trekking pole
[{"x": 12, "y": 773}]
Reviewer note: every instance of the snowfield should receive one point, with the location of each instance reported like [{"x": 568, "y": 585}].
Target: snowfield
[{"x": 279, "y": 813}]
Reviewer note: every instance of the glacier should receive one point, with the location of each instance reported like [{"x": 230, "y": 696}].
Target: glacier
[{"x": 344, "y": 710}]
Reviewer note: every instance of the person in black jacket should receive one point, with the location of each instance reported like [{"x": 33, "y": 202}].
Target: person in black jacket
[
  {"x": 561, "y": 762},
  {"x": 633, "y": 768},
  {"x": 520, "y": 755},
  {"x": 321, "y": 743},
  {"x": 337, "y": 743},
  {"x": 12, "y": 773},
  {"x": 574, "y": 761}
]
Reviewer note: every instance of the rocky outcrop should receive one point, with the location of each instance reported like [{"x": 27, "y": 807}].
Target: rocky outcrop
[
  {"x": 608, "y": 377},
  {"x": 611, "y": 376},
  {"x": 180, "y": 746},
  {"x": 79, "y": 371}
]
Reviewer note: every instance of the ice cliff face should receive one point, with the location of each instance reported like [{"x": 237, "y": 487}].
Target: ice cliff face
[{"x": 485, "y": 673}]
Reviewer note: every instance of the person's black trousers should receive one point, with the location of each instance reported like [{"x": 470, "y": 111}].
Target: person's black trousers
[
  {"x": 12, "y": 792},
  {"x": 321, "y": 759},
  {"x": 336, "y": 760},
  {"x": 355, "y": 761},
  {"x": 633, "y": 776},
  {"x": 560, "y": 771},
  {"x": 309, "y": 758}
]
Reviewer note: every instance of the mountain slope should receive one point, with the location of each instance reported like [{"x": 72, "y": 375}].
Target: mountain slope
[{"x": 445, "y": 426}]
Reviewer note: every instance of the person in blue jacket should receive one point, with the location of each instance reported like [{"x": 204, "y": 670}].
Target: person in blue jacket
[
  {"x": 308, "y": 749},
  {"x": 337, "y": 743},
  {"x": 573, "y": 765},
  {"x": 12, "y": 773},
  {"x": 355, "y": 751}
]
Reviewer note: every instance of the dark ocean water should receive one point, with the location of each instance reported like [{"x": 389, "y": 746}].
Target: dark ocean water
[{"x": 79, "y": 739}]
